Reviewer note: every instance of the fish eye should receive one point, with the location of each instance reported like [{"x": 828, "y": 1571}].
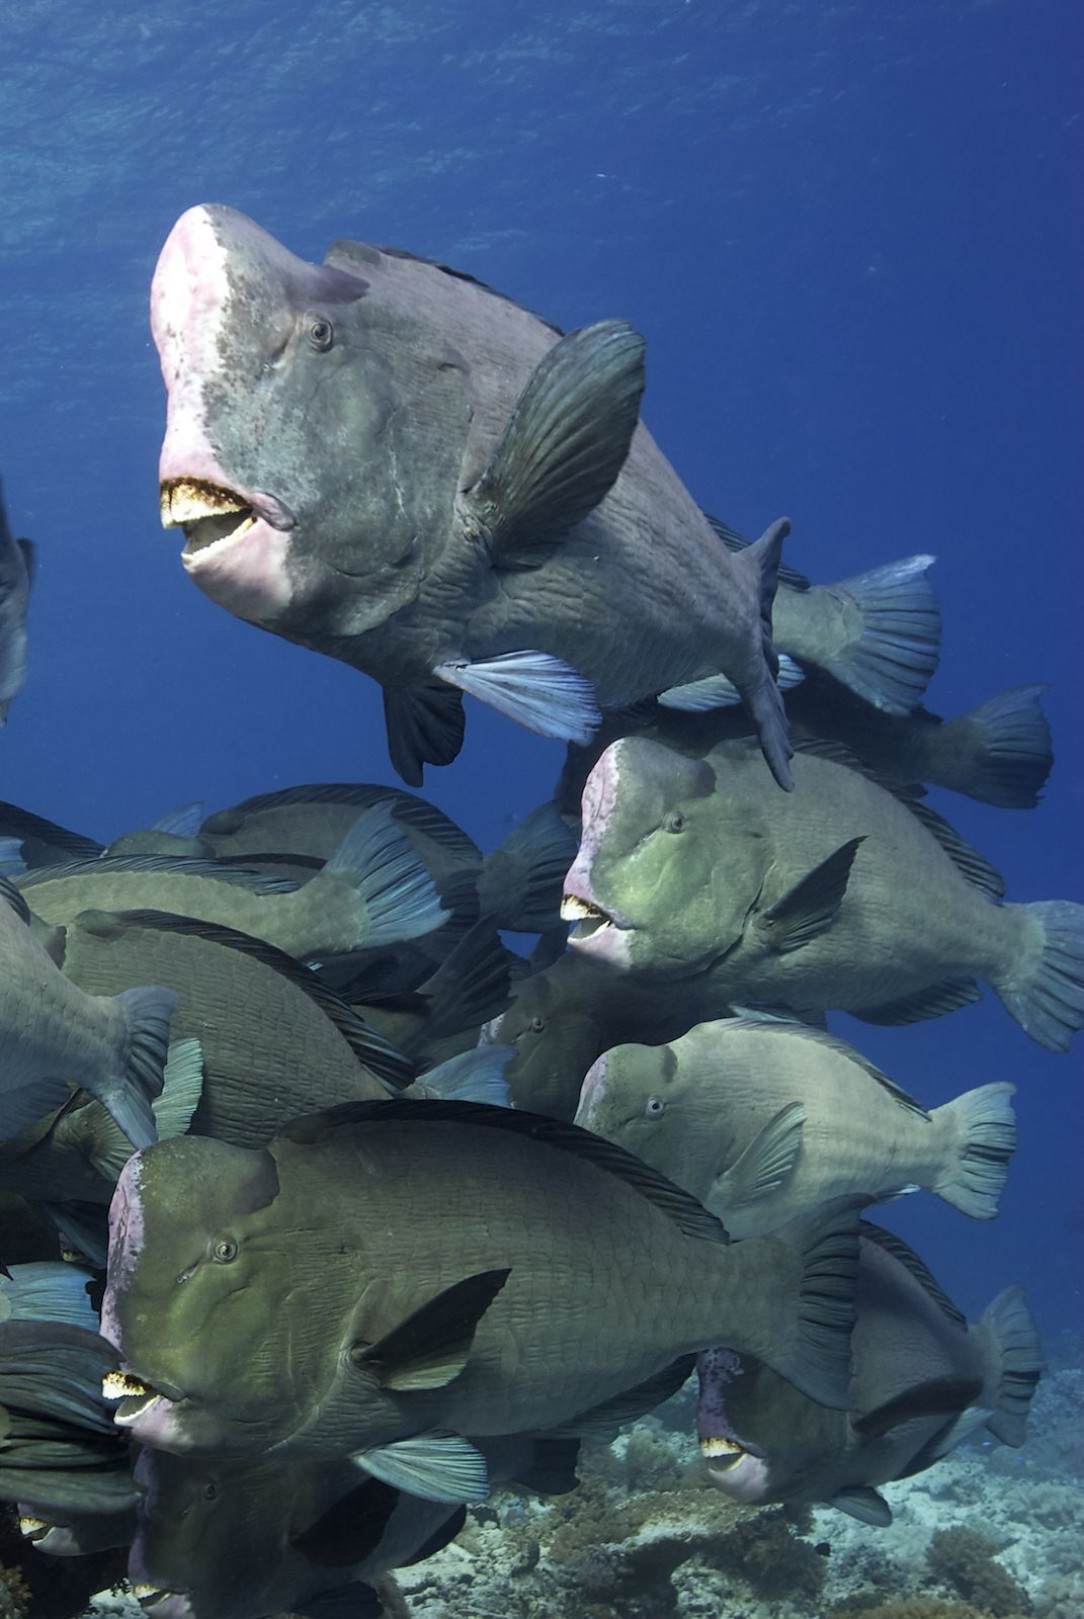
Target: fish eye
[
  {"x": 537, "y": 1024},
  {"x": 224, "y": 1250},
  {"x": 674, "y": 822},
  {"x": 210, "y": 1491},
  {"x": 655, "y": 1108},
  {"x": 319, "y": 332}
]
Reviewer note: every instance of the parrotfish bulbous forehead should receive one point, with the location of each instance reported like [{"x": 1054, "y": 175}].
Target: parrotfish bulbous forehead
[{"x": 168, "y": 1197}]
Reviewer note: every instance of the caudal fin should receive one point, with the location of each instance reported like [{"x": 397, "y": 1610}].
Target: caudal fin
[
  {"x": 520, "y": 883},
  {"x": 890, "y": 660},
  {"x": 398, "y": 894},
  {"x": 1015, "y": 1342},
  {"x": 1044, "y": 991},
  {"x": 762, "y": 696},
  {"x": 128, "y": 1094},
  {"x": 1006, "y": 742},
  {"x": 981, "y": 1127}
]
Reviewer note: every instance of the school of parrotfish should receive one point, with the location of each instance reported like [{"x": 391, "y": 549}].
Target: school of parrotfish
[{"x": 373, "y": 1215}]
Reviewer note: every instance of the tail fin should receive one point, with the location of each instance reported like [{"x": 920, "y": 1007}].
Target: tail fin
[
  {"x": 127, "y": 1095},
  {"x": 898, "y": 645},
  {"x": 762, "y": 696},
  {"x": 1018, "y": 1354},
  {"x": 1047, "y": 999},
  {"x": 1006, "y": 742},
  {"x": 397, "y": 892},
  {"x": 981, "y": 1127},
  {"x": 520, "y": 884}
]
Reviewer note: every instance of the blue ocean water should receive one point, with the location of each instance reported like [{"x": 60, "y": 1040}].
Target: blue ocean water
[{"x": 851, "y": 236}]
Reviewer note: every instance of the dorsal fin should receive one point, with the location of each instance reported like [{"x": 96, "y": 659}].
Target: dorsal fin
[
  {"x": 689, "y": 1215},
  {"x": 14, "y": 898},
  {"x": 972, "y": 866},
  {"x": 831, "y": 1042},
  {"x": 899, "y": 1250},
  {"x": 175, "y": 865},
  {"x": 369, "y": 1047},
  {"x": 21, "y": 823}
]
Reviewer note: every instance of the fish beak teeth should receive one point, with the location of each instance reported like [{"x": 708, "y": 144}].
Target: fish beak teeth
[
  {"x": 723, "y": 1454},
  {"x": 33, "y": 1528},
  {"x": 148, "y": 1595},
  {"x": 205, "y": 511},
  {"x": 134, "y": 1395},
  {"x": 590, "y": 918}
]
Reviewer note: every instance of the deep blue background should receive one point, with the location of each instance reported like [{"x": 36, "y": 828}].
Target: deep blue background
[{"x": 851, "y": 236}]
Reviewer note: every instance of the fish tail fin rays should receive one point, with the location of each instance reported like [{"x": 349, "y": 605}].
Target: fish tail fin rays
[
  {"x": 812, "y": 1349},
  {"x": 982, "y": 1133},
  {"x": 425, "y": 726},
  {"x": 472, "y": 1076},
  {"x": 182, "y": 1088},
  {"x": 1008, "y": 741},
  {"x": 565, "y": 444},
  {"x": 761, "y": 694},
  {"x": 535, "y": 689},
  {"x": 892, "y": 658},
  {"x": 127, "y": 1095},
  {"x": 396, "y": 892},
  {"x": 1018, "y": 1351},
  {"x": 536, "y": 856},
  {"x": 470, "y": 987},
  {"x": 1047, "y": 997}
]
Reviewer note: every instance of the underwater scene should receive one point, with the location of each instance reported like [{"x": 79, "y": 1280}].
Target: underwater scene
[{"x": 547, "y": 1084}]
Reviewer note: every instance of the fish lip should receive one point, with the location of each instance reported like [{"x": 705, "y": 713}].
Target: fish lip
[
  {"x": 150, "y": 1597},
  {"x": 722, "y": 1452},
  {"x": 203, "y": 509},
  {"x": 33, "y": 1529},
  {"x": 136, "y": 1395},
  {"x": 579, "y": 904}
]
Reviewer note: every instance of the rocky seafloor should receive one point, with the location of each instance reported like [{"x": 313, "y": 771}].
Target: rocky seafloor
[{"x": 986, "y": 1532}]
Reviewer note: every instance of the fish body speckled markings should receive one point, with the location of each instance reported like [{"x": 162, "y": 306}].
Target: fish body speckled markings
[
  {"x": 542, "y": 1274},
  {"x": 16, "y": 578},
  {"x": 499, "y": 524},
  {"x": 922, "y": 1379},
  {"x": 841, "y": 895},
  {"x": 764, "y": 1120},
  {"x": 54, "y": 1037}
]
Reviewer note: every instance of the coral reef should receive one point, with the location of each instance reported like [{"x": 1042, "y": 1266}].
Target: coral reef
[{"x": 964, "y": 1560}]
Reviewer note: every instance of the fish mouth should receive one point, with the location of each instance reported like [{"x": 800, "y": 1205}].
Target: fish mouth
[
  {"x": 153, "y": 1598},
  {"x": 722, "y": 1453},
  {"x": 135, "y": 1396},
  {"x": 588, "y": 917},
  {"x": 212, "y": 515},
  {"x": 33, "y": 1529}
]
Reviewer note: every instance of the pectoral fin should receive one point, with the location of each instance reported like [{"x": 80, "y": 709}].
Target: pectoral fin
[
  {"x": 564, "y": 445},
  {"x": 432, "y": 1345},
  {"x": 436, "y": 1466},
  {"x": 767, "y": 1162},
  {"x": 812, "y": 905}
]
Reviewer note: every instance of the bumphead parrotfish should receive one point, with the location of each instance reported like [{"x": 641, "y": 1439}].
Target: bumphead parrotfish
[
  {"x": 390, "y": 1276},
  {"x": 386, "y": 461}
]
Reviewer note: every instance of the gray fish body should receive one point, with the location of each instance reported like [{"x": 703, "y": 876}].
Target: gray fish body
[
  {"x": 16, "y": 571},
  {"x": 695, "y": 870},
  {"x": 604, "y": 1291},
  {"x": 707, "y": 1110},
  {"x": 54, "y": 1037},
  {"x": 374, "y": 536},
  {"x": 910, "y": 1350}
]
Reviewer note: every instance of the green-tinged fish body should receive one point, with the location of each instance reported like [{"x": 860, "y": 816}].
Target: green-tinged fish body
[
  {"x": 55, "y": 1038},
  {"x": 842, "y": 895},
  {"x": 243, "y": 1538},
  {"x": 563, "y": 1018},
  {"x": 922, "y": 1379},
  {"x": 16, "y": 578},
  {"x": 764, "y": 1120},
  {"x": 279, "y": 1299},
  {"x": 372, "y": 891}
]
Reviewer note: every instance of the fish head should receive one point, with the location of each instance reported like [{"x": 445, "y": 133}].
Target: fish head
[
  {"x": 627, "y": 1096},
  {"x": 762, "y": 1439},
  {"x": 645, "y": 890},
  {"x": 212, "y": 1534},
  {"x": 284, "y": 459},
  {"x": 191, "y": 1235}
]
